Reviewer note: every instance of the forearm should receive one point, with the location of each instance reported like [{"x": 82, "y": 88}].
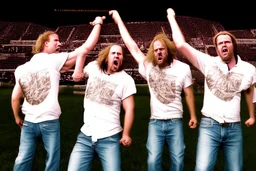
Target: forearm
[
  {"x": 128, "y": 122},
  {"x": 130, "y": 43},
  {"x": 17, "y": 96},
  {"x": 182, "y": 46},
  {"x": 191, "y": 106},
  {"x": 177, "y": 34},
  {"x": 89, "y": 44},
  {"x": 85, "y": 48},
  {"x": 91, "y": 41},
  {"x": 190, "y": 100},
  {"x": 79, "y": 63},
  {"x": 249, "y": 101},
  {"x": 16, "y": 108},
  {"x": 124, "y": 32},
  {"x": 128, "y": 40}
]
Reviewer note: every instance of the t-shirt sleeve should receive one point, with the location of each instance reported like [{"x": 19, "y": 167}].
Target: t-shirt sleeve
[
  {"x": 188, "y": 77},
  {"x": 254, "y": 96},
  {"x": 142, "y": 69},
  {"x": 129, "y": 87},
  {"x": 89, "y": 67}
]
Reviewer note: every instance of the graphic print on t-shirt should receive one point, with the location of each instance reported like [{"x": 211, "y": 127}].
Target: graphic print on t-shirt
[
  {"x": 162, "y": 85},
  {"x": 100, "y": 91},
  {"x": 35, "y": 86},
  {"x": 223, "y": 86}
]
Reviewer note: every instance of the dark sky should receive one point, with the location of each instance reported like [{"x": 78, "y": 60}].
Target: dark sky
[{"x": 233, "y": 16}]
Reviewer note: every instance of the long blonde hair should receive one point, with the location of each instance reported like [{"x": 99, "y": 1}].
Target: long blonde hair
[
  {"x": 171, "y": 48},
  {"x": 103, "y": 57},
  {"x": 42, "y": 38}
]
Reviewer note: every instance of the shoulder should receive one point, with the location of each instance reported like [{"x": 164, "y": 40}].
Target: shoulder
[
  {"x": 38, "y": 55},
  {"x": 125, "y": 76},
  {"x": 92, "y": 64},
  {"x": 21, "y": 69},
  {"x": 246, "y": 65},
  {"x": 181, "y": 64}
]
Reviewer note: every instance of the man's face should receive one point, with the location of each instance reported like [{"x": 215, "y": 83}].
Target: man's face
[
  {"x": 225, "y": 48},
  {"x": 161, "y": 54},
  {"x": 53, "y": 45},
  {"x": 115, "y": 58}
]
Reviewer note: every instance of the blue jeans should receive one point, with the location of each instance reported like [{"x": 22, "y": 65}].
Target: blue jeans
[
  {"x": 213, "y": 136},
  {"x": 83, "y": 153},
  {"x": 31, "y": 133},
  {"x": 169, "y": 132}
]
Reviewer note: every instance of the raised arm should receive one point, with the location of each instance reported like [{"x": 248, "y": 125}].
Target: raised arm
[
  {"x": 129, "y": 42},
  {"x": 85, "y": 48},
  {"x": 182, "y": 46}
]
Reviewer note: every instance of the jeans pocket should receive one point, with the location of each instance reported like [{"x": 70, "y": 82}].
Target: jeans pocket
[
  {"x": 152, "y": 121},
  {"x": 114, "y": 138},
  {"x": 50, "y": 125},
  {"x": 206, "y": 123},
  {"x": 176, "y": 120},
  {"x": 236, "y": 127}
]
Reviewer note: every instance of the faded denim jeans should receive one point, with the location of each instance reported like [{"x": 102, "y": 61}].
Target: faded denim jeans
[{"x": 31, "y": 134}]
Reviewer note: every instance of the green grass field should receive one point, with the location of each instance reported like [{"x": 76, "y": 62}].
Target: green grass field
[{"x": 133, "y": 157}]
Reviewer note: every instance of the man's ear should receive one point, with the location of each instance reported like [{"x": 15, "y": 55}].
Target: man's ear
[{"x": 46, "y": 43}]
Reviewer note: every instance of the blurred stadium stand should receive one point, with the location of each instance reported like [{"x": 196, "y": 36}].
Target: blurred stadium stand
[{"x": 17, "y": 39}]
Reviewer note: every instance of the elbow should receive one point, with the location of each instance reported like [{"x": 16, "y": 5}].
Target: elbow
[
  {"x": 15, "y": 101},
  {"x": 179, "y": 45}
]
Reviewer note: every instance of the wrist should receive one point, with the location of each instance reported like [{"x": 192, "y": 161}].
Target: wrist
[
  {"x": 97, "y": 21},
  {"x": 94, "y": 24}
]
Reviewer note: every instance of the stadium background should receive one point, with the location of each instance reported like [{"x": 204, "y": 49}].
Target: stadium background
[{"x": 17, "y": 39}]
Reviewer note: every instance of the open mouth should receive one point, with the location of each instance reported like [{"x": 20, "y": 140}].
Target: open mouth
[
  {"x": 115, "y": 63},
  {"x": 160, "y": 58}
]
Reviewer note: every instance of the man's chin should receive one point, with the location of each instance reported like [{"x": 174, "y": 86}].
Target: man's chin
[
  {"x": 115, "y": 68},
  {"x": 160, "y": 62},
  {"x": 225, "y": 60}
]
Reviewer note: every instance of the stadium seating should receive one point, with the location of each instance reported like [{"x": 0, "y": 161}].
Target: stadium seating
[{"x": 18, "y": 37}]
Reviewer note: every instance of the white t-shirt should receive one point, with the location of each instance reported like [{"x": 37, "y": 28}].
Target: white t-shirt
[
  {"x": 103, "y": 100},
  {"x": 165, "y": 86},
  {"x": 254, "y": 96},
  {"x": 223, "y": 87},
  {"x": 39, "y": 79}
]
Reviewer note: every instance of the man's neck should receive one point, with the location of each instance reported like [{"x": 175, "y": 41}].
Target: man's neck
[{"x": 231, "y": 63}]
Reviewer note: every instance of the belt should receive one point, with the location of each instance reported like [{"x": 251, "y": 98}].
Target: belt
[
  {"x": 225, "y": 124},
  {"x": 165, "y": 119}
]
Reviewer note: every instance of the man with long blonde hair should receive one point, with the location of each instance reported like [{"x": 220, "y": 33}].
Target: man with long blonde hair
[
  {"x": 226, "y": 77},
  {"x": 167, "y": 78},
  {"x": 37, "y": 81},
  {"x": 109, "y": 88}
]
